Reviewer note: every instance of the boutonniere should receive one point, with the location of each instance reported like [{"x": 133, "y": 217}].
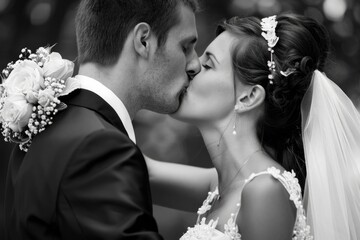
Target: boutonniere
[{"x": 30, "y": 91}]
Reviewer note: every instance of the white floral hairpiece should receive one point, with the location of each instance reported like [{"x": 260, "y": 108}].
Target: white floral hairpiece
[
  {"x": 268, "y": 26},
  {"x": 29, "y": 93}
]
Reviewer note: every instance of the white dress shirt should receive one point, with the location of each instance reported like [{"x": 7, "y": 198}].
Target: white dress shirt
[{"x": 109, "y": 96}]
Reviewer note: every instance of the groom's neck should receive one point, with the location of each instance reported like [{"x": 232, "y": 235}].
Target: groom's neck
[{"x": 116, "y": 79}]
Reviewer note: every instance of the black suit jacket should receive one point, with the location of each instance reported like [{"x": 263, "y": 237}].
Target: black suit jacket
[{"x": 82, "y": 178}]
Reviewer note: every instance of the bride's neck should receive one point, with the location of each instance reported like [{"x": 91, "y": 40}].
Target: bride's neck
[{"x": 228, "y": 152}]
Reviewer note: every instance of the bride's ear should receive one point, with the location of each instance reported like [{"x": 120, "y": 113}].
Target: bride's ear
[
  {"x": 250, "y": 99},
  {"x": 142, "y": 35}
]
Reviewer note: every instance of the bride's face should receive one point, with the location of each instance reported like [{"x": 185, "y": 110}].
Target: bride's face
[{"x": 210, "y": 96}]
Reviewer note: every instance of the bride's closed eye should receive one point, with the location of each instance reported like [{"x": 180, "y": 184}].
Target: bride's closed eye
[{"x": 208, "y": 64}]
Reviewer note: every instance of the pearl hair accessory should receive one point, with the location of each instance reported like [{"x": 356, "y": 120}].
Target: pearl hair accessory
[{"x": 268, "y": 26}]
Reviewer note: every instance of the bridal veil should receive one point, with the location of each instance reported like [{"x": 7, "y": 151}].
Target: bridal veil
[{"x": 331, "y": 137}]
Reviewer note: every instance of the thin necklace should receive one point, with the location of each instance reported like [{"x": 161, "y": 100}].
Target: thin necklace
[
  {"x": 247, "y": 159},
  {"x": 222, "y": 134}
]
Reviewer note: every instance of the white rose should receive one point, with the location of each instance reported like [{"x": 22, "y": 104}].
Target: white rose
[
  {"x": 56, "y": 67},
  {"x": 16, "y": 111},
  {"x": 46, "y": 96},
  {"x": 26, "y": 76}
]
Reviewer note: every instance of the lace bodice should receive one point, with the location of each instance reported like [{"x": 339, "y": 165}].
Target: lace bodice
[{"x": 205, "y": 229}]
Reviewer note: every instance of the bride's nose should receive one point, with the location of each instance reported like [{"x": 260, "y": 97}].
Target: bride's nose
[{"x": 193, "y": 67}]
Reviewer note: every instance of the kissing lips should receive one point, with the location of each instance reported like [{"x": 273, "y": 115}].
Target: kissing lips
[{"x": 183, "y": 92}]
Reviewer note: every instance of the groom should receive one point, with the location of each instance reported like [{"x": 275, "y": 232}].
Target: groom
[{"x": 84, "y": 177}]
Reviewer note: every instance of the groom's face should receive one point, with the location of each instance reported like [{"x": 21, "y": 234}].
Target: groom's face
[{"x": 173, "y": 66}]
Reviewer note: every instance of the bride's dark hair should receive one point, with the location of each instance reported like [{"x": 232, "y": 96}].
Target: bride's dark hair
[{"x": 303, "y": 45}]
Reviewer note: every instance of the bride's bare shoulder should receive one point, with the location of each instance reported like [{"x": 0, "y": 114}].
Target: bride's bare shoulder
[{"x": 266, "y": 210}]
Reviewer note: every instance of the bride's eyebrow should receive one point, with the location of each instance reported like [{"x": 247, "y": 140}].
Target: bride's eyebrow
[{"x": 211, "y": 55}]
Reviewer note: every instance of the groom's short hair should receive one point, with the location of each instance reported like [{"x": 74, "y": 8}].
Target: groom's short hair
[{"x": 102, "y": 26}]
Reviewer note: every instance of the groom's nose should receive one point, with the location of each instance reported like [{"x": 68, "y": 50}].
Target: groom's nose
[{"x": 193, "y": 67}]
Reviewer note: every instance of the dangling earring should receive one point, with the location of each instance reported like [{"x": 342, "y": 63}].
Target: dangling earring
[
  {"x": 234, "y": 127},
  {"x": 236, "y": 108}
]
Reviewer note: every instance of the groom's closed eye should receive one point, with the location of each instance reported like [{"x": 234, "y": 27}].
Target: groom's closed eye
[{"x": 188, "y": 44}]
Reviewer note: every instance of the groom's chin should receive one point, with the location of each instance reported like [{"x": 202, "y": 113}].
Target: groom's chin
[
  {"x": 177, "y": 114},
  {"x": 166, "y": 107},
  {"x": 174, "y": 106},
  {"x": 177, "y": 107},
  {"x": 174, "y": 109}
]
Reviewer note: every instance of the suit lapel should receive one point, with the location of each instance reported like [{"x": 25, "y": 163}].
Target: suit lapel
[{"x": 90, "y": 100}]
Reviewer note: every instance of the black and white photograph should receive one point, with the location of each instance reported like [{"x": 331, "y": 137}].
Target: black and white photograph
[{"x": 180, "y": 119}]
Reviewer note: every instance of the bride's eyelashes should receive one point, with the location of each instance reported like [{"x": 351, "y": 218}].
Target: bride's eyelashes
[{"x": 208, "y": 64}]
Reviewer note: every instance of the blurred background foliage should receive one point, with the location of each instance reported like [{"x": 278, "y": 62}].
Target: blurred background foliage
[{"x": 34, "y": 23}]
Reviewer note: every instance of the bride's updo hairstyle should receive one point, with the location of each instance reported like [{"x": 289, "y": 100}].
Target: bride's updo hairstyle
[{"x": 302, "y": 47}]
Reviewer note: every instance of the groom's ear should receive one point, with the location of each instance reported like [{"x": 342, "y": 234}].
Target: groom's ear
[{"x": 142, "y": 33}]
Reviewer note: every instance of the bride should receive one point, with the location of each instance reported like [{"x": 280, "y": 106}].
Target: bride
[{"x": 278, "y": 131}]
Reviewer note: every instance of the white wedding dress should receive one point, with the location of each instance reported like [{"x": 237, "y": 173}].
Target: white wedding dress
[{"x": 206, "y": 229}]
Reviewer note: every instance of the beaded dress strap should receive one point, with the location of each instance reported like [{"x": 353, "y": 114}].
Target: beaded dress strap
[{"x": 287, "y": 179}]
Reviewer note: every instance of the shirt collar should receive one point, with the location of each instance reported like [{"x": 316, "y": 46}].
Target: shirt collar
[{"x": 109, "y": 96}]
